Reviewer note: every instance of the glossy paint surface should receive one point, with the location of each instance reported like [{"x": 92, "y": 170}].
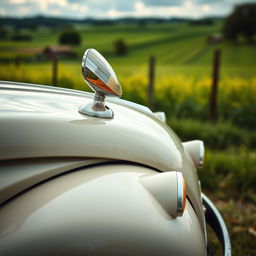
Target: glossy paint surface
[
  {"x": 96, "y": 211},
  {"x": 41, "y": 122},
  {"x": 16, "y": 176}
]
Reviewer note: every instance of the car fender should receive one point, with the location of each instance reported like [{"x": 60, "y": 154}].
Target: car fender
[{"x": 98, "y": 210}]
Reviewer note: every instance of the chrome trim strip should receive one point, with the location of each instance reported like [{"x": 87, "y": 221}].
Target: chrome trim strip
[
  {"x": 161, "y": 116},
  {"x": 201, "y": 155},
  {"x": 179, "y": 193},
  {"x": 215, "y": 220}
]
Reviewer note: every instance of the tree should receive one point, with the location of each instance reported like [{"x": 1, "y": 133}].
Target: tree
[
  {"x": 70, "y": 37},
  {"x": 120, "y": 47},
  {"x": 3, "y": 33},
  {"x": 241, "y": 22}
]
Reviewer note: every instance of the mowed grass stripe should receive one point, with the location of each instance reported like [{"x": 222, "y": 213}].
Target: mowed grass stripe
[
  {"x": 178, "y": 53},
  {"x": 168, "y": 50},
  {"x": 195, "y": 54}
]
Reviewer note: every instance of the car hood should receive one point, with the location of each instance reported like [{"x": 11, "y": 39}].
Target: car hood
[{"x": 40, "y": 121}]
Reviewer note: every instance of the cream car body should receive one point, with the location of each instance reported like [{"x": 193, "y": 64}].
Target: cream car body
[{"x": 78, "y": 184}]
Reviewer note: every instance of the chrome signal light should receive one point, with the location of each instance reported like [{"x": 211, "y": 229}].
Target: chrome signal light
[
  {"x": 168, "y": 189},
  {"x": 196, "y": 151},
  {"x": 181, "y": 196}
]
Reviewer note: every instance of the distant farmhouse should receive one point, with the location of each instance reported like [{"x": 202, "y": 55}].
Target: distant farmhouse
[
  {"x": 214, "y": 38},
  {"x": 59, "y": 52}
]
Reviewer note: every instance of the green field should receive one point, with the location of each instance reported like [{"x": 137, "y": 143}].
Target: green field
[{"x": 173, "y": 45}]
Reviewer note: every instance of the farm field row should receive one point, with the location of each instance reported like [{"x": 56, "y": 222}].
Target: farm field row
[{"x": 172, "y": 44}]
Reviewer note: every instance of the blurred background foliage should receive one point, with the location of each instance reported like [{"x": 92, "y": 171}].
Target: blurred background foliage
[{"x": 183, "y": 49}]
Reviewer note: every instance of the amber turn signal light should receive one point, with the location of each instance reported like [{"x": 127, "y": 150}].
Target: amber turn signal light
[{"x": 181, "y": 200}]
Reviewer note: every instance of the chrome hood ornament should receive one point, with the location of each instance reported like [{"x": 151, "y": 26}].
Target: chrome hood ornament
[{"x": 102, "y": 79}]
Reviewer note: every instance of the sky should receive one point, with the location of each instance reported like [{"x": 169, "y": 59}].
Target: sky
[{"x": 113, "y": 9}]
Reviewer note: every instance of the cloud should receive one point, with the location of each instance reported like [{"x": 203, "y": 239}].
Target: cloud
[
  {"x": 17, "y": 1},
  {"x": 209, "y": 1},
  {"x": 163, "y": 2},
  {"x": 104, "y": 5},
  {"x": 2, "y": 11},
  {"x": 118, "y": 8},
  {"x": 206, "y": 8}
]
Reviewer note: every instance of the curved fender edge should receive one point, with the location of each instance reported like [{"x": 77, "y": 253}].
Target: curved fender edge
[{"x": 216, "y": 222}]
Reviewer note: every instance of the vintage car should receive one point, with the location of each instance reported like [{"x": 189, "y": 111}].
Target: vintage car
[{"x": 85, "y": 175}]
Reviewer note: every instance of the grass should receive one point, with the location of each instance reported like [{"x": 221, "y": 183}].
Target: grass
[
  {"x": 229, "y": 178},
  {"x": 230, "y": 172},
  {"x": 240, "y": 217},
  {"x": 218, "y": 136}
]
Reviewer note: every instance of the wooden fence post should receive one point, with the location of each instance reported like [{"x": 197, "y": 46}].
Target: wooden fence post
[
  {"x": 214, "y": 90},
  {"x": 151, "y": 76},
  {"x": 17, "y": 62},
  {"x": 55, "y": 71},
  {"x": 52, "y": 56}
]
